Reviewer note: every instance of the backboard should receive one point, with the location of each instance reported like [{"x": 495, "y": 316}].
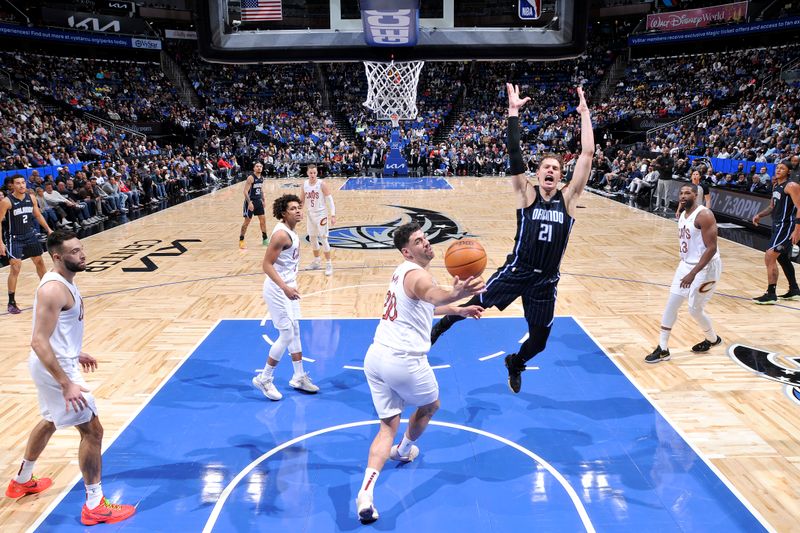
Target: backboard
[{"x": 283, "y": 31}]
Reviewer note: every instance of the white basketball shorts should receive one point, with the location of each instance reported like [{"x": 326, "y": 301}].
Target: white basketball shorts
[
  {"x": 282, "y": 310},
  {"x": 51, "y": 398},
  {"x": 397, "y": 379},
  {"x": 317, "y": 225},
  {"x": 704, "y": 284}
]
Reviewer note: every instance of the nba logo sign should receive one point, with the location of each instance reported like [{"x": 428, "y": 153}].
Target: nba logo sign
[{"x": 530, "y": 9}]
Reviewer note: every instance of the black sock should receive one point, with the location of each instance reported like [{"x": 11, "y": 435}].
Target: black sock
[
  {"x": 263, "y": 235},
  {"x": 771, "y": 288},
  {"x": 241, "y": 237},
  {"x": 11, "y": 299},
  {"x": 788, "y": 269}
]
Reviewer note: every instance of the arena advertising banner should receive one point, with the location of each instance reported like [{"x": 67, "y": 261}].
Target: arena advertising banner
[
  {"x": 93, "y": 21},
  {"x": 77, "y": 37},
  {"x": 731, "y": 30},
  {"x": 733, "y": 204},
  {"x": 697, "y": 18}
]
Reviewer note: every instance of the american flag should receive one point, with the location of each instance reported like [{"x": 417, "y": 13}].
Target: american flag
[{"x": 261, "y": 10}]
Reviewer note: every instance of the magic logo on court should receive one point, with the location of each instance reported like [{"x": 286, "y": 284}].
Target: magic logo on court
[
  {"x": 437, "y": 226},
  {"x": 770, "y": 365}
]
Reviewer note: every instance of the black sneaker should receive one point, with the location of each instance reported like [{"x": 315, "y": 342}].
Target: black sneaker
[
  {"x": 793, "y": 294},
  {"x": 657, "y": 356},
  {"x": 514, "y": 373},
  {"x": 437, "y": 330},
  {"x": 706, "y": 345},
  {"x": 766, "y": 299}
]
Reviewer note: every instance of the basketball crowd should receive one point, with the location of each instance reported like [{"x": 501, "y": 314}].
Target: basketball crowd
[{"x": 58, "y": 118}]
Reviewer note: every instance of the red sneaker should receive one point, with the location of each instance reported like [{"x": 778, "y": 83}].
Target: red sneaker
[
  {"x": 33, "y": 486},
  {"x": 106, "y": 512}
]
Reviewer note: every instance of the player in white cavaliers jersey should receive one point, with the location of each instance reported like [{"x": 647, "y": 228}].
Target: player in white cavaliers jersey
[
  {"x": 396, "y": 364},
  {"x": 697, "y": 274},
  {"x": 55, "y": 361},
  {"x": 280, "y": 264},
  {"x": 321, "y": 214}
]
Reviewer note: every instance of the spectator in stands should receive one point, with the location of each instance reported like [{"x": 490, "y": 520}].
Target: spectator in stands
[
  {"x": 756, "y": 186},
  {"x": 115, "y": 196},
  {"x": 48, "y": 212}
]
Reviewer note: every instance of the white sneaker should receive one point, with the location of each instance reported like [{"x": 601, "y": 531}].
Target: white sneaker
[
  {"x": 394, "y": 455},
  {"x": 366, "y": 510},
  {"x": 315, "y": 264},
  {"x": 303, "y": 382},
  {"x": 329, "y": 269},
  {"x": 267, "y": 387}
]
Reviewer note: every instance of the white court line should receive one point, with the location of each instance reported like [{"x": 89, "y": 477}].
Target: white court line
[
  {"x": 439, "y": 367},
  {"x": 108, "y": 443},
  {"x": 524, "y": 338},
  {"x": 680, "y": 432},
  {"x": 579, "y": 507},
  {"x": 490, "y": 356},
  {"x": 350, "y": 367},
  {"x": 531, "y": 368}
]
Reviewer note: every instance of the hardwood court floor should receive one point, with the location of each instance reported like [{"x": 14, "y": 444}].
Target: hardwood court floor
[{"x": 616, "y": 273}]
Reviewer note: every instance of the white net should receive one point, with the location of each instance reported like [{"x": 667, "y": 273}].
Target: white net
[{"x": 392, "y": 88}]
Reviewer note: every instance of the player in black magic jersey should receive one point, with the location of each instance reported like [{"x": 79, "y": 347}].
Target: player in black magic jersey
[
  {"x": 20, "y": 241},
  {"x": 254, "y": 204},
  {"x": 544, "y": 220},
  {"x": 785, "y": 233}
]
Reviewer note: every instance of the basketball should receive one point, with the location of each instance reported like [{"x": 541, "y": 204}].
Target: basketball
[{"x": 465, "y": 258}]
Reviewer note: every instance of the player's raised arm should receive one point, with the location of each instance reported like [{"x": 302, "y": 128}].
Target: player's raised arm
[
  {"x": 525, "y": 193},
  {"x": 583, "y": 167}
]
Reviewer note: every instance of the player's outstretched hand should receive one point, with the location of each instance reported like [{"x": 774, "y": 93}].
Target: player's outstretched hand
[
  {"x": 468, "y": 287},
  {"x": 470, "y": 311},
  {"x": 582, "y": 106},
  {"x": 514, "y": 101}
]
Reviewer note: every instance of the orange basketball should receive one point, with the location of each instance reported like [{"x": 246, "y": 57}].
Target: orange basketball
[{"x": 465, "y": 258}]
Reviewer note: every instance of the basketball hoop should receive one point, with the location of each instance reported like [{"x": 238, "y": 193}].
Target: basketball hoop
[{"x": 392, "y": 89}]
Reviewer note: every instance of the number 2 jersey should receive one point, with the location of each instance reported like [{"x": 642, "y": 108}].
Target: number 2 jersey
[
  {"x": 19, "y": 222},
  {"x": 406, "y": 323}
]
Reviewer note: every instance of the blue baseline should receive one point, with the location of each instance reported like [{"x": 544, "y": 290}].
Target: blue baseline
[
  {"x": 630, "y": 469},
  {"x": 374, "y": 184}
]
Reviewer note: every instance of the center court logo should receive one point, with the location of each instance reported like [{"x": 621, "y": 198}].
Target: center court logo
[
  {"x": 769, "y": 366},
  {"x": 437, "y": 227}
]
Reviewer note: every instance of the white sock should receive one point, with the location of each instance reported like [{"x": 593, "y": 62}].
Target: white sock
[
  {"x": 268, "y": 371},
  {"x": 298, "y": 367},
  {"x": 663, "y": 339},
  {"x": 711, "y": 335},
  {"x": 370, "y": 477},
  {"x": 94, "y": 495},
  {"x": 25, "y": 471},
  {"x": 405, "y": 445}
]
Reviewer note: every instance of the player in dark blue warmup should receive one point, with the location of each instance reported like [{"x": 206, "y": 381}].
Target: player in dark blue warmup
[
  {"x": 785, "y": 233},
  {"x": 544, "y": 220},
  {"x": 20, "y": 240},
  {"x": 254, "y": 204}
]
